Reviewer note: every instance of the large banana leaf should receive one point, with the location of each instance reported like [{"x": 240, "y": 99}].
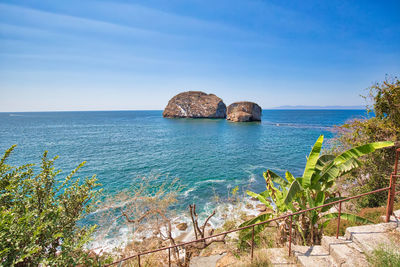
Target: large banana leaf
[
  {"x": 348, "y": 159},
  {"x": 323, "y": 160},
  {"x": 247, "y": 233},
  {"x": 311, "y": 162},
  {"x": 361, "y": 151},
  {"x": 270, "y": 175},
  {"x": 260, "y": 218},
  {"x": 320, "y": 198},
  {"x": 345, "y": 216},
  {"x": 289, "y": 177},
  {"x": 295, "y": 187},
  {"x": 349, "y": 165},
  {"x": 260, "y": 197}
]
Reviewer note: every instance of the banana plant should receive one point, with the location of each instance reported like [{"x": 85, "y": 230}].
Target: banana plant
[{"x": 312, "y": 189}]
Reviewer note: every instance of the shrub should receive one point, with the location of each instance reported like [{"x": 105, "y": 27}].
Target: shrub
[
  {"x": 39, "y": 215},
  {"x": 376, "y": 168}
]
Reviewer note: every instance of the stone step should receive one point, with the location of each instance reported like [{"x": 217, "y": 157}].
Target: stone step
[
  {"x": 203, "y": 261},
  {"x": 313, "y": 256},
  {"x": 369, "y": 237},
  {"x": 344, "y": 252},
  {"x": 280, "y": 257},
  {"x": 394, "y": 218}
]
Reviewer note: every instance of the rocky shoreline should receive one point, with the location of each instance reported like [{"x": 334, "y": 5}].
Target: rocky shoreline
[{"x": 182, "y": 228}]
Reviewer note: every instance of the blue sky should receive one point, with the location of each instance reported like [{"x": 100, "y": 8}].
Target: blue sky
[{"x": 117, "y": 55}]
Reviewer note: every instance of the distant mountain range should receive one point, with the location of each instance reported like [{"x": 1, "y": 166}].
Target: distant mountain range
[{"x": 319, "y": 107}]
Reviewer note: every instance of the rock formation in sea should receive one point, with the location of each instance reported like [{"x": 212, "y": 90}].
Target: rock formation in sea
[
  {"x": 195, "y": 104},
  {"x": 243, "y": 112}
]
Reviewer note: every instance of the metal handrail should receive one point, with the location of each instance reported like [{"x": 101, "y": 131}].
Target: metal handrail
[{"x": 389, "y": 212}]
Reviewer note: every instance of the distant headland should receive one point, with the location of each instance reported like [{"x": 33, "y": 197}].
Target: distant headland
[{"x": 318, "y": 107}]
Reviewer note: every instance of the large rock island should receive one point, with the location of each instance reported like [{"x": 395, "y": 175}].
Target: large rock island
[
  {"x": 195, "y": 104},
  {"x": 243, "y": 112}
]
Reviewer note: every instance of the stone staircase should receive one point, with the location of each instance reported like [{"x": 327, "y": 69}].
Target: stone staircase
[{"x": 346, "y": 251}]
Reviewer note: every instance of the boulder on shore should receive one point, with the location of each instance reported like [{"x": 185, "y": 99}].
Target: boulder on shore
[
  {"x": 195, "y": 104},
  {"x": 243, "y": 112}
]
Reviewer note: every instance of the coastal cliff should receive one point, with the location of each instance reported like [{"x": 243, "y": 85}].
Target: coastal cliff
[{"x": 195, "y": 104}]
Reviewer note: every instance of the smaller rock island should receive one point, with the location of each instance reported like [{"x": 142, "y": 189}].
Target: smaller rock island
[
  {"x": 244, "y": 112},
  {"x": 195, "y": 104}
]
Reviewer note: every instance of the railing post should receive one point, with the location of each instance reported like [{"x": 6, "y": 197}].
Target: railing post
[
  {"x": 169, "y": 257},
  {"x": 392, "y": 190},
  {"x": 391, "y": 194},
  {"x": 338, "y": 223},
  {"x": 252, "y": 244},
  {"x": 290, "y": 235}
]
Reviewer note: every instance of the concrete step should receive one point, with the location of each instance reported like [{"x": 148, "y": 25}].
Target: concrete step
[
  {"x": 344, "y": 252},
  {"x": 394, "y": 218},
  {"x": 313, "y": 256},
  {"x": 369, "y": 237},
  {"x": 209, "y": 261},
  {"x": 280, "y": 257}
]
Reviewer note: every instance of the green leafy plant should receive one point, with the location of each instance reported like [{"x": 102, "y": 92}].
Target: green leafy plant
[
  {"x": 313, "y": 189},
  {"x": 39, "y": 215},
  {"x": 385, "y": 125}
]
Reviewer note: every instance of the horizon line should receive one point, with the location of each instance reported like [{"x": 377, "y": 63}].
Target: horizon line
[{"x": 116, "y": 110}]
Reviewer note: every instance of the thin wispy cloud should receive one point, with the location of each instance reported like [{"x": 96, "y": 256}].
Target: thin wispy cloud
[{"x": 276, "y": 52}]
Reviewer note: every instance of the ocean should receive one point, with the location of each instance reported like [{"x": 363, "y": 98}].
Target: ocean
[{"x": 209, "y": 156}]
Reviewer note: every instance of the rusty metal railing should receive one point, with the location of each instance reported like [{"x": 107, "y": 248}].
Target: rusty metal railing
[{"x": 389, "y": 211}]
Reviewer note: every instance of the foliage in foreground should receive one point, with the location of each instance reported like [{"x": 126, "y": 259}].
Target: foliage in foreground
[
  {"x": 39, "y": 215},
  {"x": 311, "y": 190},
  {"x": 384, "y": 257},
  {"x": 376, "y": 168}
]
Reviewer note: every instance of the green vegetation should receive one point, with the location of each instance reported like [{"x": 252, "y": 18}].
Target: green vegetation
[
  {"x": 39, "y": 215},
  {"x": 371, "y": 214},
  {"x": 313, "y": 189},
  {"x": 384, "y": 257},
  {"x": 376, "y": 168}
]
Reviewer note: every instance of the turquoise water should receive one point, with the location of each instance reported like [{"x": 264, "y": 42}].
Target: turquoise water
[
  {"x": 210, "y": 157},
  {"x": 122, "y": 145}
]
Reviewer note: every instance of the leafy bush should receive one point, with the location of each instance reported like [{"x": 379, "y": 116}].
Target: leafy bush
[
  {"x": 39, "y": 215},
  {"x": 376, "y": 168}
]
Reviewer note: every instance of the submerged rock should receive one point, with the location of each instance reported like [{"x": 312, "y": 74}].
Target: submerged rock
[
  {"x": 243, "y": 112},
  {"x": 249, "y": 206},
  {"x": 195, "y": 104},
  {"x": 182, "y": 226}
]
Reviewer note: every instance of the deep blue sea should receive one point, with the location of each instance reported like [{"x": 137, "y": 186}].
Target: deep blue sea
[{"x": 209, "y": 156}]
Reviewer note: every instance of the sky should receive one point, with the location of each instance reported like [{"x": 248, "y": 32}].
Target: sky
[{"x": 136, "y": 55}]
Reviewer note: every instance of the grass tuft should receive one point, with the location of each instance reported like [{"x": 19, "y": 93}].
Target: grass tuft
[{"x": 384, "y": 257}]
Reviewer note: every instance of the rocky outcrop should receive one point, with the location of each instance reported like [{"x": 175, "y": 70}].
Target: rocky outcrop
[
  {"x": 195, "y": 104},
  {"x": 243, "y": 112}
]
